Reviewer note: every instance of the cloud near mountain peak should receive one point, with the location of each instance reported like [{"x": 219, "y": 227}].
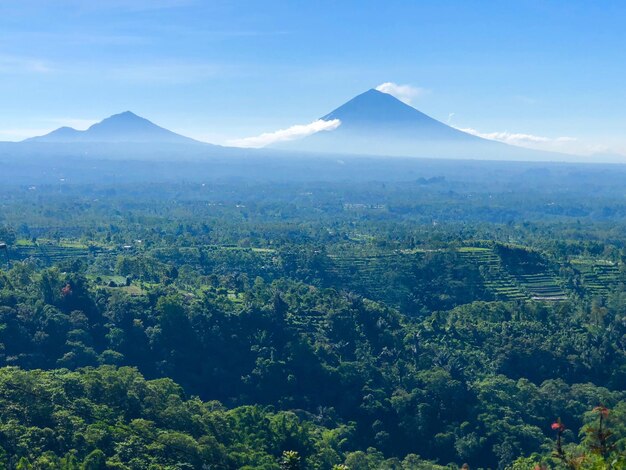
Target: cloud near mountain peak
[
  {"x": 291, "y": 133},
  {"x": 517, "y": 138},
  {"x": 405, "y": 93}
]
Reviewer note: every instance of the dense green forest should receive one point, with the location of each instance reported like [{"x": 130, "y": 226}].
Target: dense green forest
[{"x": 417, "y": 324}]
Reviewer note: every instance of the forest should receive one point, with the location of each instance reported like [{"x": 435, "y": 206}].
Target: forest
[{"x": 214, "y": 323}]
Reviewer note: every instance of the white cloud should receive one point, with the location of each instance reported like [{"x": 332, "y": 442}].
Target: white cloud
[
  {"x": 13, "y": 65},
  {"x": 291, "y": 133},
  {"x": 523, "y": 140},
  {"x": 405, "y": 93}
]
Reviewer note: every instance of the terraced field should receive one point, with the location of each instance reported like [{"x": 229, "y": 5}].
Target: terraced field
[
  {"x": 371, "y": 274},
  {"x": 374, "y": 274},
  {"x": 598, "y": 277},
  {"x": 49, "y": 253},
  {"x": 497, "y": 279},
  {"x": 543, "y": 286}
]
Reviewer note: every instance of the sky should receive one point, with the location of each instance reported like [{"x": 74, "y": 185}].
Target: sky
[{"x": 544, "y": 74}]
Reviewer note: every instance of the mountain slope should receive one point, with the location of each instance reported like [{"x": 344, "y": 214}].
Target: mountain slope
[
  {"x": 375, "y": 111},
  {"x": 123, "y": 127},
  {"x": 376, "y": 123}
]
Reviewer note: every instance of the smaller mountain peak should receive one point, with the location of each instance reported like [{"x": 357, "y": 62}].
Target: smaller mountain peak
[
  {"x": 122, "y": 127},
  {"x": 124, "y": 122}
]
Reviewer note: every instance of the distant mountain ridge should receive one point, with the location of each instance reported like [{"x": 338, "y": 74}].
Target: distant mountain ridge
[
  {"x": 372, "y": 124},
  {"x": 119, "y": 128}
]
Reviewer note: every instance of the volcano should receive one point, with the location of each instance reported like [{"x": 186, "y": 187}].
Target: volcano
[
  {"x": 378, "y": 124},
  {"x": 119, "y": 128}
]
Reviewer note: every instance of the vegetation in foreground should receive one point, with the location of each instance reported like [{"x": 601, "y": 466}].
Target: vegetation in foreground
[{"x": 283, "y": 331}]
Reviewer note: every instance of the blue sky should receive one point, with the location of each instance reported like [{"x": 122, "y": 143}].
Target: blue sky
[{"x": 545, "y": 74}]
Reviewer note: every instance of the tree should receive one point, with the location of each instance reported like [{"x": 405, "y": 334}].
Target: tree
[
  {"x": 23, "y": 464},
  {"x": 96, "y": 460},
  {"x": 290, "y": 460}
]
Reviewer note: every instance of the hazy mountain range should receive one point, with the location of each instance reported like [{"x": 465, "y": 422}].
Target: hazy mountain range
[{"x": 371, "y": 124}]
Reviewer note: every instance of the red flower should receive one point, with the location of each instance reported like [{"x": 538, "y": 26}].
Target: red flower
[
  {"x": 67, "y": 290},
  {"x": 557, "y": 426}
]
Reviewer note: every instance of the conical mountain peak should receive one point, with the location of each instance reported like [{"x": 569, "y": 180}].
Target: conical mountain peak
[
  {"x": 377, "y": 107},
  {"x": 377, "y": 123}
]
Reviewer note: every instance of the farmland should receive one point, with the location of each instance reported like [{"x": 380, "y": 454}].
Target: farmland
[
  {"x": 420, "y": 313},
  {"x": 374, "y": 275}
]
